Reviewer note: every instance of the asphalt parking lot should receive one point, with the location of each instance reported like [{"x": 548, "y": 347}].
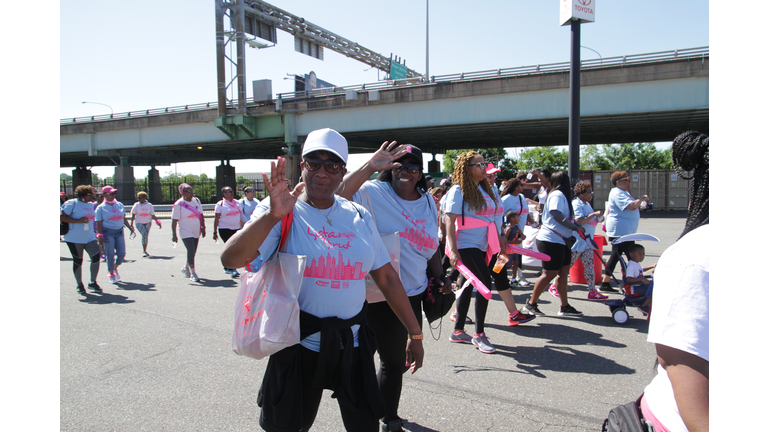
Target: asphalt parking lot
[{"x": 154, "y": 353}]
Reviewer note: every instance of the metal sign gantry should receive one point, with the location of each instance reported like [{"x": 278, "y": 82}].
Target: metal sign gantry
[{"x": 260, "y": 19}]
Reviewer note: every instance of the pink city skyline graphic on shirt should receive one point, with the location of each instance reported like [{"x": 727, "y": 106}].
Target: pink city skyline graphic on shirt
[
  {"x": 420, "y": 239},
  {"x": 333, "y": 268},
  {"x": 491, "y": 209}
]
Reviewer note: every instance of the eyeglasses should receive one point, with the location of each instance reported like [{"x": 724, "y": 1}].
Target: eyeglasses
[
  {"x": 331, "y": 167},
  {"x": 483, "y": 165},
  {"x": 622, "y": 179},
  {"x": 411, "y": 167},
  {"x": 228, "y": 191}
]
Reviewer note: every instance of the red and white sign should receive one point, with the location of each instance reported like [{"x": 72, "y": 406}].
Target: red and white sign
[{"x": 584, "y": 10}]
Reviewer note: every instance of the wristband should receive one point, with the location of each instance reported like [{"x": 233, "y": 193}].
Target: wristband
[
  {"x": 416, "y": 337},
  {"x": 99, "y": 235}
]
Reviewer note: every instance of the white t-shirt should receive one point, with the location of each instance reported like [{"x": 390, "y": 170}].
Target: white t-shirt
[
  {"x": 555, "y": 201},
  {"x": 416, "y": 221},
  {"x": 474, "y": 237},
  {"x": 230, "y": 214},
  {"x": 680, "y": 317},
  {"x": 583, "y": 209},
  {"x": 634, "y": 270},
  {"x": 143, "y": 212},
  {"x": 338, "y": 258},
  {"x": 189, "y": 224}
]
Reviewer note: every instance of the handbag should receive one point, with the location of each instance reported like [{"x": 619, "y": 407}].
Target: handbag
[
  {"x": 64, "y": 226},
  {"x": 434, "y": 303},
  {"x": 392, "y": 242},
  {"x": 267, "y": 307}
]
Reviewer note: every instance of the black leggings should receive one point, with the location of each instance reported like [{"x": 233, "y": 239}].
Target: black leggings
[
  {"x": 391, "y": 338},
  {"x": 616, "y": 251},
  {"x": 77, "y": 249},
  {"x": 225, "y": 234},
  {"x": 191, "y": 244},
  {"x": 474, "y": 259}
]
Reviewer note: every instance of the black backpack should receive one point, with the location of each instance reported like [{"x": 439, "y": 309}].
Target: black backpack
[
  {"x": 64, "y": 226},
  {"x": 626, "y": 418}
]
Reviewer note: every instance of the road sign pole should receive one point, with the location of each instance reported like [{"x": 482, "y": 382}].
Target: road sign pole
[{"x": 574, "y": 124}]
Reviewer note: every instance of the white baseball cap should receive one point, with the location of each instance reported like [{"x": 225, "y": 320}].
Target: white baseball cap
[{"x": 327, "y": 140}]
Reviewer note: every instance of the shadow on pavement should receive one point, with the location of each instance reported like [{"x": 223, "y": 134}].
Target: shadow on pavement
[
  {"x": 223, "y": 283},
  {"x": 159, "y": 257},
  {"x": 65, "y": 258},
  {"x": 415, "y": 427},
  {"x": 105, "y": 298},
  {"x": 559, "y": 334},
  {"x": 536, "y": 360},
  {"x": 131, "y": 286}
]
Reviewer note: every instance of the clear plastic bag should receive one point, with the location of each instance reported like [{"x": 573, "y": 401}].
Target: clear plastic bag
[{"x": 267, "y": 308}]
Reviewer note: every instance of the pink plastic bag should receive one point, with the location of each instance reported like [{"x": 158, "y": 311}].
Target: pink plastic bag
[{"x": 267, "y": 308}]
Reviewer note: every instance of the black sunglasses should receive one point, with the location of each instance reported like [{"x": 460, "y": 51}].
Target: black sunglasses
[
  {"x": 411, "y": 167},
  {"x": 331, "y": 167}
]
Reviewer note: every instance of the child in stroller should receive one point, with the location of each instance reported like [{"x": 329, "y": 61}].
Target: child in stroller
[{"x": 636, "y": 287}]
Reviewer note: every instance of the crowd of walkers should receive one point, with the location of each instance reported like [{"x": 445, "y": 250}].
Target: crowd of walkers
[{"x": 466, "y": 222}]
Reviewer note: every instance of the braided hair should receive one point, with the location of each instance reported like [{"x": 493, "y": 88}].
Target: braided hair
[
  {"x": 690, "y": 151},
  {"x": 462, "y": 176}
]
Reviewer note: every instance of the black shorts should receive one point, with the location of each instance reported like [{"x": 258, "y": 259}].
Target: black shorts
[{"x": 559, "y": 254}]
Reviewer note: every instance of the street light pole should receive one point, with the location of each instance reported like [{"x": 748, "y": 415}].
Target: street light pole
[
  {"x": 574, "y": 122},
  {"x": 111, "y": 112},
  {"x": 427, "y": 71}
]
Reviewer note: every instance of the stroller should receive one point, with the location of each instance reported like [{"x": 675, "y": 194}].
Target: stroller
[{"x": 618, "y": 307}]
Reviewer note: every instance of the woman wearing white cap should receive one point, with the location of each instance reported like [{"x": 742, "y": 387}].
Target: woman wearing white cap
[
  {"x": 110, "y": 219},
  {"x": 336, "y": 351}
]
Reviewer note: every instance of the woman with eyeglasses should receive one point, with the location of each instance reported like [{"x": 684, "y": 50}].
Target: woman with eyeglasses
[
  {"x": 473, "y": 231},
  {"x": 399, "y": 202},
  {"x": 623, "y": 219},
  {"x": 81, "y": 237},
  {"x": 588, "y": 218},
  {"x": 228, "y": 220},
  {"x": 342, "y": 246}
]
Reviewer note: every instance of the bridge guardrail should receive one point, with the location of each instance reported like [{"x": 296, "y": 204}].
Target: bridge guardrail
[{"x": 634, "y": 59}]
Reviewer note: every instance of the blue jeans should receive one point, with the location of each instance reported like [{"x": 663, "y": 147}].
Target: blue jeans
[{"x": 114, "y": 243}]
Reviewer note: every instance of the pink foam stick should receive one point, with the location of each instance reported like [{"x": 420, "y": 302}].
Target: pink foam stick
[
  {"x": 514, "y": 249},
  {"x": 477, "y": 283}
]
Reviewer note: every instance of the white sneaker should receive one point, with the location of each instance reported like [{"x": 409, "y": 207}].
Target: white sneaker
[
  {"x": 117, "y": 276},
  {"x": 112, "y": 279},
  {"x": 185, "y": 271},
  {"x": 521, "y": 279},
  {"x": 193, "y": 276}
]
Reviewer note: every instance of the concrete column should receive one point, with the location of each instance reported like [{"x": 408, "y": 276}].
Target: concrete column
[
  {"x": 225, "y": 176},
  {"x": 293, "y": 153},
  {"x": 80, "y": 176},
  {"x": 153, "y": 184},
  {"x": 124, "y": 182},
  {"x": 433, "y": 165}
]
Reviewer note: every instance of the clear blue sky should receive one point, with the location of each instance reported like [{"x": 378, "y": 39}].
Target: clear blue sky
[{"x": 152, "y": 54}]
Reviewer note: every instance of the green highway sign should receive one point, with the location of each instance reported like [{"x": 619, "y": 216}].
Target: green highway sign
[{"x": 397, "y": 71}]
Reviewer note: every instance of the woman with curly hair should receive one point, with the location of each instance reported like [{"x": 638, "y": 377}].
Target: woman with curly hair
[
  {"x": 473, "y": 234},
  {"x": 81, "y": 238}
]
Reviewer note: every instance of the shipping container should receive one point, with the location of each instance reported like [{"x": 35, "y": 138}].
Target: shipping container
[
  {"x": 652, "y": 183},
  {"x": 601, "y": 185},
  {"x": 678, "y": 190}
]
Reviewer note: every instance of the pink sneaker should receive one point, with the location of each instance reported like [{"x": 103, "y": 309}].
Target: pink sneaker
[
  {"x": 553, "y": 290},
  {"x": 595, "y": 295}
]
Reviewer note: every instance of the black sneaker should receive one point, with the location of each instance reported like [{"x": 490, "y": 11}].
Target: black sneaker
[
  {"x": 93, "y": 286},
  {"x": 395, "y": 425},
  {"x": 605, "y": 287},
  {"x": 568, "y": 310},
  {"x": 81, "y": 289},
  {"x": 531, "y": 309}
]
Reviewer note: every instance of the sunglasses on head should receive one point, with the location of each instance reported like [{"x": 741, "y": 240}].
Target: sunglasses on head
[
  {"x": 411, "y": 167},
  {"x": 331, "y": 167}
]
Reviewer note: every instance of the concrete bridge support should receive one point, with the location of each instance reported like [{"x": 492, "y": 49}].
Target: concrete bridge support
[
  {"x": 153, "y": 184},
  {"x": 81, "y": 176},
  {"x": 124, "y": 182},
  {"x": 225, "y": 176}
]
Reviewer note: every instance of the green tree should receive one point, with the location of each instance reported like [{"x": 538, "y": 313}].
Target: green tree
[
  {"x": 65, "y": 176},
  {"x": 497, "y": 156},
  {"x": 550, "y": 158},
  {"x": 626, "y": 156}
]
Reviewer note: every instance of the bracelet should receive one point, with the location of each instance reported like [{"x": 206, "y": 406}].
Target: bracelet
[
  {"x": 99, "y": 235},
  {"x": 416, "y": 337}
]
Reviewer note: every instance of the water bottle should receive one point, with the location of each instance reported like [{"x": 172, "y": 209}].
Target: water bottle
[
  {"x": 173, "y": 244},
  {"x": 643, "y": 205}
]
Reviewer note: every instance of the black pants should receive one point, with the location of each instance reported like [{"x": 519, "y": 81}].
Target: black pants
[
  {"x": 616, "y": 251},
  {"x": 225, "y": 234},
  {"x": 391, "y": 338},
  {"x": 307, "y": 398},
  {"x": 474, "y": 259}
]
